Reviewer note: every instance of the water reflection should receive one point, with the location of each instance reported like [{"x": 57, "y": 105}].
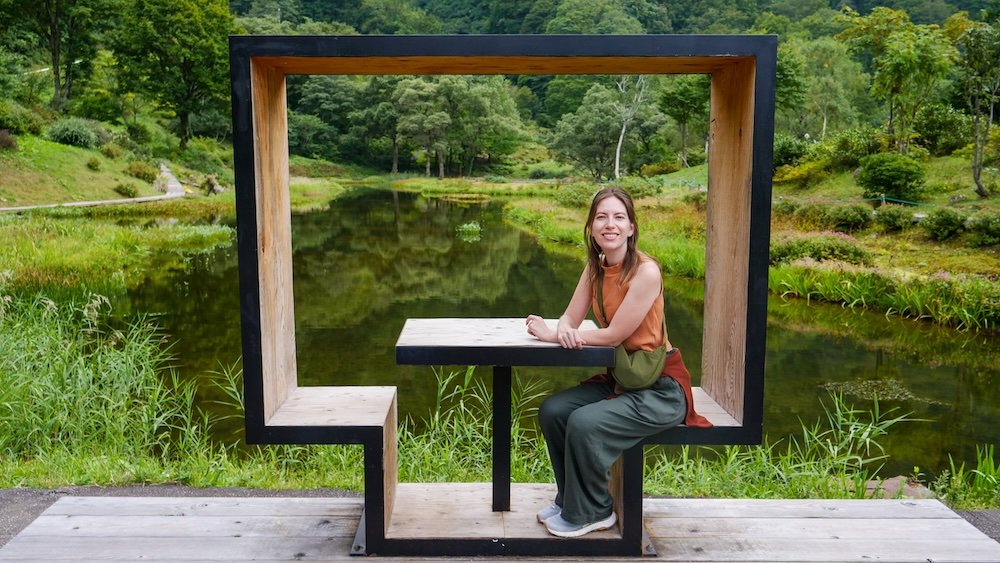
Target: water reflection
[{"x": 375, "y": 258}]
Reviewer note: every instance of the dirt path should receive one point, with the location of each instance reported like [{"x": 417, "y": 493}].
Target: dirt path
[{"x": 174, "y": 190}]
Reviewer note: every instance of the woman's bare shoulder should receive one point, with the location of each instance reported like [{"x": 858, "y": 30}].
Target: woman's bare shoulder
[{"x": 648, "y": 264}]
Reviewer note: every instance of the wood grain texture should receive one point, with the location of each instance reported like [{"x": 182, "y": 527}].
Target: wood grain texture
[
  {"x": 728, "y": 235},
  {"x": 420, "y": 65},
  {"x": 321, "y": 529},
  {"x": 274, "y": 235},
  {"x": 344, "y": 405},
  {"x": 475, "y": 333}
]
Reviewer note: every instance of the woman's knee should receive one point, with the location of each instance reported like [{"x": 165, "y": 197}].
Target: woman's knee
[
  {"x": 582, "y": 422},
  {"x": 551, "y": 410}
]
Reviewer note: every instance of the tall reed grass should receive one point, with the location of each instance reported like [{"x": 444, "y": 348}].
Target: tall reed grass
[
  {"x": 83, "y": 404},
  {"x": 958, "y": 301}
]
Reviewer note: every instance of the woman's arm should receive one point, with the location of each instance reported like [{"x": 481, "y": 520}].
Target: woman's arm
[
  {"x": 646, "y": 285},
  {"x": 567, "y": 332}
]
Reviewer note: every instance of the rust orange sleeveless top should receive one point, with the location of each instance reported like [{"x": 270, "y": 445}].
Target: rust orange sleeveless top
[{"x": 648, "y": 336}]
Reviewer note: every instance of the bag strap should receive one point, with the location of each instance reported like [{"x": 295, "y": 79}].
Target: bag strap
[{"x": 600, "y": 298}]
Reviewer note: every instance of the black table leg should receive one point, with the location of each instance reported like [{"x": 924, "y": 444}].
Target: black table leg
[{"x": 501, "y": 437}]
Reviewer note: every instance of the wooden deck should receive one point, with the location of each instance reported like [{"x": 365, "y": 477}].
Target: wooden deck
[{"x": 323, "y": 529}]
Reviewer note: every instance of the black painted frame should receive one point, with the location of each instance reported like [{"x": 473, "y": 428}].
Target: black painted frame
[{"x": 763, "y": 49}]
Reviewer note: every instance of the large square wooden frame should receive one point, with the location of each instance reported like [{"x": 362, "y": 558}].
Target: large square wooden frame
[{"x": 741, "y": 137}]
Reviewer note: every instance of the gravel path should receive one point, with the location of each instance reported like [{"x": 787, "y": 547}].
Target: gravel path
[{"x": 174, "y": 190}]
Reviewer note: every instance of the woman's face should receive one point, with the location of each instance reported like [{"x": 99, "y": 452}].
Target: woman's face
[{"x": 611, "y": 227}]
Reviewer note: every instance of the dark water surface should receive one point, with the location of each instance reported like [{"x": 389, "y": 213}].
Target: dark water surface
[{"x": 375, "y": 258}]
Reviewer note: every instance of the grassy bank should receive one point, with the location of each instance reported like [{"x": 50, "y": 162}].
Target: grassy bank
[
  {"x": 66, "y": 251},
  {"x": 42, "y": 171},
  {"x": 89, "y": 405}
]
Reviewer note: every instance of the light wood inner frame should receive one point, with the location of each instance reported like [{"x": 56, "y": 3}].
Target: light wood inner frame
[{"x": 729, "y": 194}]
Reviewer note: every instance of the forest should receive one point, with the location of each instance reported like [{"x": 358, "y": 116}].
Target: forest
[{"x": 907, "y": 78}]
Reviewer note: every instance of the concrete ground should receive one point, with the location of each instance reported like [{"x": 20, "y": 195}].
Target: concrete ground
[{"x": 20, "y": 507}]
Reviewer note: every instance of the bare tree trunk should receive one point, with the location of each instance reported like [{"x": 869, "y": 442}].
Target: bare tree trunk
[
  {"x": 440, "y": 159},
  {"x": 58, "y": 98},
  {"x": 628, "y": 114},
  {"x": 980, "y": 136},
  {"x": 395, "y": 155},
  {"x": 427, "y": 163},
  {"x": 684, "y": 154}
]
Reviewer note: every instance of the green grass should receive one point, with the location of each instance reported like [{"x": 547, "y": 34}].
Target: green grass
[
  {"x": 42, "y": 172},
  {"x": 85, "y": 404},
  {"x": 47, "y": 250}
]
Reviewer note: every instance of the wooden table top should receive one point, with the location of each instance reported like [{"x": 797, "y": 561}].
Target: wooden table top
[{"x": 489, "y": 341}]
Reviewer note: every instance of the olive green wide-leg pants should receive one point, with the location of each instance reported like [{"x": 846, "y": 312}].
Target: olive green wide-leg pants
[{"x": 586, "y": 431}]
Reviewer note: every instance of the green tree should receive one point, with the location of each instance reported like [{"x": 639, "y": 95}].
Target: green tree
[
  {"x": 177, "y": 53},
  {"x": 507, "y": 16},
  {"x": 393, "y": 17},
  {"x": 589, "y": 135},
  {"x": 685, "y": 100},
  {"x": 790, "y": 81},
  {"x": 331, "y": 98},
  {"x": 836, "y": 91},
  {"x": 597, "y": 17},
  {"x": 68, "y": 31},
  {"x": 377, "y": 120},
  {"x": 100, "y": 94},
  {"x": 909, "y": 62},
  {"x": 892, "y": 175},
  {"x": 422, "y": 118},
  {"x": 979, "y": 53}
]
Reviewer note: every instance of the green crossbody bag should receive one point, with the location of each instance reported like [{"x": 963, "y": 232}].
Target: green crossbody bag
[{"x": 634, "y": 370}]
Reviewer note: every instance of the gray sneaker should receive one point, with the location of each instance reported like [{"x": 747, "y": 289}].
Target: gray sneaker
[
  {"x": 557, "y": 526},
  {"x": 548, "y": 512}
]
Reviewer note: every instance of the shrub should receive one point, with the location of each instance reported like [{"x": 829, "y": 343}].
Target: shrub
[
  {"x": 657, "y": 168},
  {"x": 495, "y": 179},
  {"x": 789, "y": 150},
  {"x": 18, "y": 119},
  {"x": 943, "y": 223},
  {"x": 577, "y": 194},
  {"x": 94, "y": 163},
  {"x": 78, "y": 132},
  {"x": 894, "y": 217},
  {"x": 638, "y": 187},
  {"x": 807, "y": 174},
  {"x": 784, "y": 207},
  {"x": 896, "y": 176},
  {"x": 111, "y": 150},
  {"x": 7, "y": 141},
  {"x": 942, "y": 129},
  {"x": 540, "y": 171},
  {"x": 985, "y": 229},
  {"x": 848, "y": 218},
  {"x": 847, "y": 148},
  {"x": 143, "y": 171},
  {"x": 138, "y": 133},
  {"x": 811, "y": 215},
  {"x": 696, "y": 157},
  {"x": 821, "y": 247},
  {"x": 126, "y": 190},
  {"x": 698, "y": 200}
]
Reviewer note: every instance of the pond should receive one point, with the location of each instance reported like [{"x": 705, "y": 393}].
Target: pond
[{"x": 375, "y": 258}]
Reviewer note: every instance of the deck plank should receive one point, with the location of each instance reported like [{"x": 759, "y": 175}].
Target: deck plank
[{"x": 211, "y": 529}]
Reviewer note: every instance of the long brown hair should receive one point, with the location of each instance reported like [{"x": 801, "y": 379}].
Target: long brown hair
[{"x": 632, "y": 254}]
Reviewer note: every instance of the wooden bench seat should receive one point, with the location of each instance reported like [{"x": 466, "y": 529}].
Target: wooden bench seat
[
  {"x": 336, "y": 406},
  {"x": 365, "y": 415}
]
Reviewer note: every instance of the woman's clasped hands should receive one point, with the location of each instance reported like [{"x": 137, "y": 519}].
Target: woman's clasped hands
[{"x": 565, "y": 334}]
